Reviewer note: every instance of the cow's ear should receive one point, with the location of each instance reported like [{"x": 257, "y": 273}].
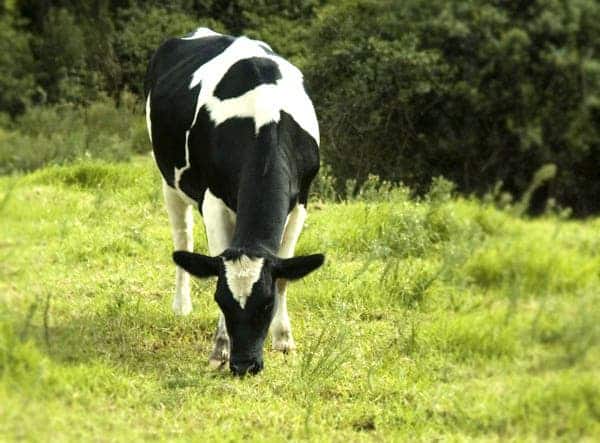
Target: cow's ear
[
  {"x": 197, "y": 264},
  {"x": 297, "y": 267}
]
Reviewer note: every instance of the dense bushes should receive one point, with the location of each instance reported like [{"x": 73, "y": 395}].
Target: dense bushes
[
  {"x": 476, "y": 91},
  {"x": 16, "y": 68},
  {"x": 479, "y": 92}
]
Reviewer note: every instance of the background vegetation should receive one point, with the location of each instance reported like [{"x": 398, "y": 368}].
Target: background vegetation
[{"x": 481, "y": 92}]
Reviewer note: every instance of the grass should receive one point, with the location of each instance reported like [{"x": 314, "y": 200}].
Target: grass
[{"x": 440, "y": 318}]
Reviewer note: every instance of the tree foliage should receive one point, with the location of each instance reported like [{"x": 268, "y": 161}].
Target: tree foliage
[
  {"x": 16, "y": 68},
  {"x": 480, "y": 92},
  {"x": 476, "y": 91}
]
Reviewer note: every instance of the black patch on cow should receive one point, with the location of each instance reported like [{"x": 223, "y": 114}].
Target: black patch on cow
[
  {"x": 172, "y": 103},
  {"x": 217, "y": 156},
  {"x": 305, "y": 151},
  {"x": 245, "y": 75}
]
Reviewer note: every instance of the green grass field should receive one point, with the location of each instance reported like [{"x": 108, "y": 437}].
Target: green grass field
[{"x": 439, "y": 318}]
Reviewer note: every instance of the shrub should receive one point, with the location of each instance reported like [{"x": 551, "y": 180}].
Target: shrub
[
  {"x": 475, "y": 91},
  {"x": 62, "y": 133},
  {"x": 141, "y": 31},
  {"x": 16, "y": 66}
]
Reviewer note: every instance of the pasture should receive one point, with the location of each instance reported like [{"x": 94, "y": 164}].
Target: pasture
[{"x": 433, "y": 318}]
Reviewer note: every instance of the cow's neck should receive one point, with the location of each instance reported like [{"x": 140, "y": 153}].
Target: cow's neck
[{"x": 263, "y": 201}]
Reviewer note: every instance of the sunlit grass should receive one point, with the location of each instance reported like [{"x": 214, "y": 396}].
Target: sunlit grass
[{"x": 437, "y": 318}]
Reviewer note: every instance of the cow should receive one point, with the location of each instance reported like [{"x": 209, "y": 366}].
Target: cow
[{"x": 234, "y": 135}]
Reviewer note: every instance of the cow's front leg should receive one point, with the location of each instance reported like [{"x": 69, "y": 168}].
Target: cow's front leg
[
  {"x": 182, "y": 227},
  {"x": 220, "y": 353},
  {"x": 219, "y": 222},
  {"x": 281, "y": 329}
]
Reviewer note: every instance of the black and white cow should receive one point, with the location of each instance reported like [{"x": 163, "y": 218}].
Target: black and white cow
[{"x": 235, "y": 135}]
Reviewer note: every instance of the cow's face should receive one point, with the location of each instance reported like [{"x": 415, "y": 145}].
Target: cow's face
[{"x": 246, "y": 293}]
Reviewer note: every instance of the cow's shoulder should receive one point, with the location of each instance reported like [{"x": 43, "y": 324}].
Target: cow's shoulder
[{"x": 176, "y": 59}]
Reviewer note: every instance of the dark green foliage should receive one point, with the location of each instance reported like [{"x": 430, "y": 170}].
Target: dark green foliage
[
  {"x": 371, "y": 83},
  {"x": 84, "y": 47},
  {"x": 482, "y": 93},
  {"x": 16, "y": 68},
  {"x": 60, "y": 56},
  {"x": 476, "y": 91},
  {"x": 285, "y": 24},
  {"x": 140, "y": 33}
]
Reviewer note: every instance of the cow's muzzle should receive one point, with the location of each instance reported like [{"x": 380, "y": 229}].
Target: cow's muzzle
[{"x": 243, "y": 367}]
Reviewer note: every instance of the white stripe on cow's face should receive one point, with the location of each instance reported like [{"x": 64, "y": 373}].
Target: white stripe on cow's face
[
  {"x": 241, "y": 275},
  {"x": 263, "y": 103},
  {"x": 148, "y": 121},
  {"x": 199, "y": 33}
]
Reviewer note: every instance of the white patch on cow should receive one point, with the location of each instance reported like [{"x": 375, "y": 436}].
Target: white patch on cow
[
  {"x": 211, "y": 72},
  {"x": 260, "y": 42},
  {"x": 263, "y": 103},
  {"x": 219, "y": 222},
  {"x": 148, "y": 121},
  {"x": 199, "y": 33},
  {"x": 293, "y": 97},
  {"x": 241, "y": 275}
]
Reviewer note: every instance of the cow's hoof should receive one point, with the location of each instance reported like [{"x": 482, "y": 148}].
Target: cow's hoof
[
  {"x": 216, "y": 364},
  {"x": 219, "y": 357},
  {"x": 181, "y": 307},
  {"x": 284, "y": 342}
]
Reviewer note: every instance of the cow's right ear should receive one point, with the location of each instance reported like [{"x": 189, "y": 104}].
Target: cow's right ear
[
  {"x": 197, "y": 264},
  {"x": 297, "y": 267}
]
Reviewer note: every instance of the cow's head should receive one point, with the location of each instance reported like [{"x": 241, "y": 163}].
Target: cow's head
[{"x": 246, "y": 295}]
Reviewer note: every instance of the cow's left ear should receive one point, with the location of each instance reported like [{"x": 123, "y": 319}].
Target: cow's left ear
[
  {"x": 297, "y": 267},
  {"x": 197, "y": 264}
]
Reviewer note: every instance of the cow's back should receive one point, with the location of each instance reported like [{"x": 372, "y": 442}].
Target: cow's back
[{"x": 207, "y": 99}]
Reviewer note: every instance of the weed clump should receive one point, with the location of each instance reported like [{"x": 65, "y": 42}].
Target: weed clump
[
  {"x": 86, "y": 174},
  {"x": 534, "y": 265}
]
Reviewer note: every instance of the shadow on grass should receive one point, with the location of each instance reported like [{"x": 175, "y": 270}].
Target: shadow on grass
[{"x": 151, "y": 342}]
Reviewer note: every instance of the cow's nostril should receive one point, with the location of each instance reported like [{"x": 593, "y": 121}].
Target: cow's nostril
[
  {"x": 255, "y": 368},
  {"x": 241, "y": 369},
  {"x": 237, "y": 369}
]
